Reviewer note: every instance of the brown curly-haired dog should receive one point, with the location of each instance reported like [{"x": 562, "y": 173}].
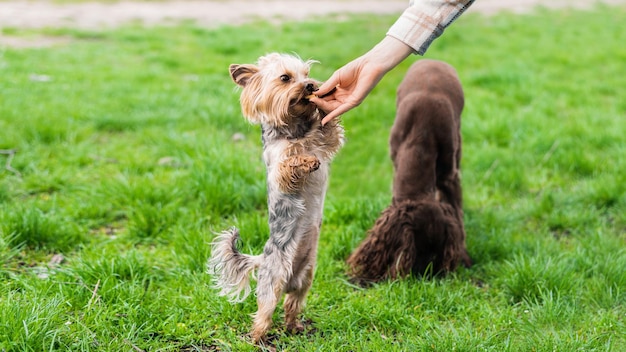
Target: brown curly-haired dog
[{"x": 422, "y": 231}]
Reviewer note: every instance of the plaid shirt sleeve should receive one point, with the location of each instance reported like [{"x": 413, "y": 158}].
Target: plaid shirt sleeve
[{"x": 425, "y": 20}]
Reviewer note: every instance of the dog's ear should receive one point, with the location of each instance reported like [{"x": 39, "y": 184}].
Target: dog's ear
[{"x": 241, "y": 73}]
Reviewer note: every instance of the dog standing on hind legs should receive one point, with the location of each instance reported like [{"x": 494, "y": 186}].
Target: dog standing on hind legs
[
  {"x": 422, "y": 231},
  {"x": 297, "y": 151}
]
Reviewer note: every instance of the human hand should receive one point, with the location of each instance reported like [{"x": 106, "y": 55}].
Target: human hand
[
  {"x": 347, "y": 87},
  {"x": 353, "y": 82}
]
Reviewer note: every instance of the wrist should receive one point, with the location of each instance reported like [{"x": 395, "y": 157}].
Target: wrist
[{"x": 388, "y": 53}]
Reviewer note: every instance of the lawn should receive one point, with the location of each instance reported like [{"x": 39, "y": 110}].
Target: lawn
[{"x": 131, "y": 153}]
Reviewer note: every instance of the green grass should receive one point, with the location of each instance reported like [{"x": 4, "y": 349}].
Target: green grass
[{"x": 128, "y": 167}]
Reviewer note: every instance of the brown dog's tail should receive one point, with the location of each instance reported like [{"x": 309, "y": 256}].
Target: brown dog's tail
[
  {"x": 411, "y": 237},
  {"x": 231, "y": 269}
]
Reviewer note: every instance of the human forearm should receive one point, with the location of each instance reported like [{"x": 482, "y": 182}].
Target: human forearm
[{"x": 388, "y": 53}]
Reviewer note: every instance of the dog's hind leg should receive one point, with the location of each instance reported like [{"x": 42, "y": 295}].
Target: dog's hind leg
[
  {"x": 301, "y": 280},
  {"x": 270, "y": 287},
  {"x": 276, "y": 267},
  {"x": 295, "y": 301}
]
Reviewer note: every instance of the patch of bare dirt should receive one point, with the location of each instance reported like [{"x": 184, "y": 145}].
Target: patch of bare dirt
[
  {"x": 96, "y": 15},
  {"x": 31, "y": 42}
]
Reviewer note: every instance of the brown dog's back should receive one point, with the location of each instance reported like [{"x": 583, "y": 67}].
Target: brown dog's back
[
  {"x": 433, "y": 77},
  {"x": 425, "y": 141}
]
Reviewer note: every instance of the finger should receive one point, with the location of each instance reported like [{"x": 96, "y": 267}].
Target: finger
[
  {"x": 327, "y": 86},
  {"x": 326, "y": 106},
  {"x": 327, "y": 119},
  {"x": 337, "y": 112}
]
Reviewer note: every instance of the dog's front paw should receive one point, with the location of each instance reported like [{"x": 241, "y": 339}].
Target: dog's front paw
[
  {"x": 293, "y": 172},
  {"x": 304, "y": 164}
]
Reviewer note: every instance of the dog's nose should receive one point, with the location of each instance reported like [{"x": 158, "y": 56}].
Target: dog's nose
[{"x": 310, "y": 87}]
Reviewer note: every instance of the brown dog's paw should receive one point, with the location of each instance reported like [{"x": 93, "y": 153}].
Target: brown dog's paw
[{"x": 466, "y": 259}]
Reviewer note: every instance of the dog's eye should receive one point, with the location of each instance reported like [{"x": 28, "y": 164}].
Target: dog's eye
[{"x": 285, "y": 78}]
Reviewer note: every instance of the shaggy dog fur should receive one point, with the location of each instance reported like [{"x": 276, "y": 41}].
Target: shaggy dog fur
[
  {"x": 422, "y": 231},
  {"x": 297, "y": 151}
]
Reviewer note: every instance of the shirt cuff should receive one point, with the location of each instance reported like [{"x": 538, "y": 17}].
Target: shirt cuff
[
  {"x": 425, "y": 21},
  {"x": 415, "y": 31}
]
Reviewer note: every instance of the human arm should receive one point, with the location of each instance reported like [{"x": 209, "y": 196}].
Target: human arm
[
  {"x": 355, "y": 80},
  {"x": 413, "y": 32}
]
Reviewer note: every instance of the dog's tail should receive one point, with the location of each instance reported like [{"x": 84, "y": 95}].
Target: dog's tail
[{"x": 231, "y": 270}]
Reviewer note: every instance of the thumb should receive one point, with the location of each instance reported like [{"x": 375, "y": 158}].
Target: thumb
[
  {"x": 327, "y": 119},
  {"x": 322, "y": 104},
  {"x": 327, "y": 86}
]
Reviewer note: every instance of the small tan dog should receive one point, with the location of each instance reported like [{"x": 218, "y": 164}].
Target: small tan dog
[{"x": 297, "y": 151}]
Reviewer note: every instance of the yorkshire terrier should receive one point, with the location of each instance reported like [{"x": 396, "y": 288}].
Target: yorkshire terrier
[
  {"x": 422, "y": 231},
  {"x": 297, "y": 150}
]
